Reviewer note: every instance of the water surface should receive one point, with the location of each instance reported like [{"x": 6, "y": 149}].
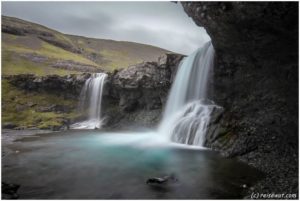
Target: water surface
[{"x": 98, "y": 165}]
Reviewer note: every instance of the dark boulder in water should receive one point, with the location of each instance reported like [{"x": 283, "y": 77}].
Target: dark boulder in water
[
  {"x": 9, "y": 191},
  {"x": 154, "y": 181}
]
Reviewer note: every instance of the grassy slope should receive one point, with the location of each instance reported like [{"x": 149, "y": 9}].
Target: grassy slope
[
  {"x": 17, "y": 110},
  {"x": 117, "y": 54},
  {"x": 21, "y": 38},
  {"x": 39, "y": 40},
  {"x": 13, "y": 63}
]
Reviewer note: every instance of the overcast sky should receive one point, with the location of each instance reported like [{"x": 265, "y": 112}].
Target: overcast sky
[{"x": 162, "y": 24}]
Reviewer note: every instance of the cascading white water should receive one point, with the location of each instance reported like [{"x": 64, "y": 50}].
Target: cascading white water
[
  {"x": 187, "y": 113},
  {"x": 91, "y": 97}
]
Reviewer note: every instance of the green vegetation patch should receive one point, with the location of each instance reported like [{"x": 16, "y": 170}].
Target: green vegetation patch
[
  {"x": 118, "y": 59},
  {"x": 22, "y": 108},
  {"x": 13, "y": 64},
  {"x": 100, "y": 53},
  {"x": 47, "y": 50}
]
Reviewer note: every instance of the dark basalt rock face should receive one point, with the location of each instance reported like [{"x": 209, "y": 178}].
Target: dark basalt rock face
[
  {"x": 138, "y": 93},
  {"x": 256, "y": 81},
  {"x": 69, "y": 86}
]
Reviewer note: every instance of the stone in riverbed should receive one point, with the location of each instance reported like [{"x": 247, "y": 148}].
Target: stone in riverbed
[
  {"x": 9, "y": 191},
  {"x": 161, "y": 180}
]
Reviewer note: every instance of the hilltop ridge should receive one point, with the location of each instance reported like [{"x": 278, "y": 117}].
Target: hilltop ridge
[{"x": 32, "y": 48}]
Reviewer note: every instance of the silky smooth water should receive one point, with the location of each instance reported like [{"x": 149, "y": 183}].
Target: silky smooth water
[
  {"x": 97, "y": 165},
  {"x": 187, "y": 95},
  {"x": 91, "y": 99},
  {"x": 191, "y": 123},
  {"x": 187, "y": 113}
]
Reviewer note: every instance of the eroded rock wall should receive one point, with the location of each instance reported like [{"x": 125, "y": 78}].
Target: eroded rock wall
[
  {"x": 69, "y": 86},
  {"x": 138, "y": 93},
  {"x": 133, "y": 97}
]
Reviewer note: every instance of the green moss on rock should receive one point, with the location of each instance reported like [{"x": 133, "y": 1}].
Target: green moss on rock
[{"x": 22, "y": 108}]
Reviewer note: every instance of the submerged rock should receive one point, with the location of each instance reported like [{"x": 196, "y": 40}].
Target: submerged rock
[
  {"x": 161, "y": 180},
  {"x": 9, "y": 191}
]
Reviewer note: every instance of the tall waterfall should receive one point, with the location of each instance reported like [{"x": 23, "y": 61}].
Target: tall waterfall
[
  {"x": 188, "y": 111},
  {"x": 91, "y": 98}
]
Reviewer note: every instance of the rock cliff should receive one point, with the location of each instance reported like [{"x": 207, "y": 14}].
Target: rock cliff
[
  {"x": 136, "y": 94},
  {"x": 256, "y": 81},
  {"x": 68, "y": 86}
]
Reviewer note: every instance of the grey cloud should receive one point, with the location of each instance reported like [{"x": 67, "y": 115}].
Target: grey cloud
[{"x": 161, "y": 24}]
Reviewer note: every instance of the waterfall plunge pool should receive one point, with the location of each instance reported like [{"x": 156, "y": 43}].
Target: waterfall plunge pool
[{"x": 99, "y": 165}]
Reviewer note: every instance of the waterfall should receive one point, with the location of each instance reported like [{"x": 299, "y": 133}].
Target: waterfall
[
  {"x": 91, "y": 98},
  {"x": 188, "y": 111}
]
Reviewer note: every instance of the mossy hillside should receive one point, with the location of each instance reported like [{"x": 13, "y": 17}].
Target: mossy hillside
[
  {"x": 31, "y": 48},
  {"x": 30, "y": 28},
  {"x": 20, "y": 45},
  {"x": 13, "y": 64},
  {"x": 112, "y": 54},
  {"x": 119, "y": 59},
  {"x": 23, "y": 37},
  {"x": 21, "y": 108}
]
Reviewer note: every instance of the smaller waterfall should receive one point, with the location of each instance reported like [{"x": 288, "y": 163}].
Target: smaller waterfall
[{"x": 91, "y": 98}]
